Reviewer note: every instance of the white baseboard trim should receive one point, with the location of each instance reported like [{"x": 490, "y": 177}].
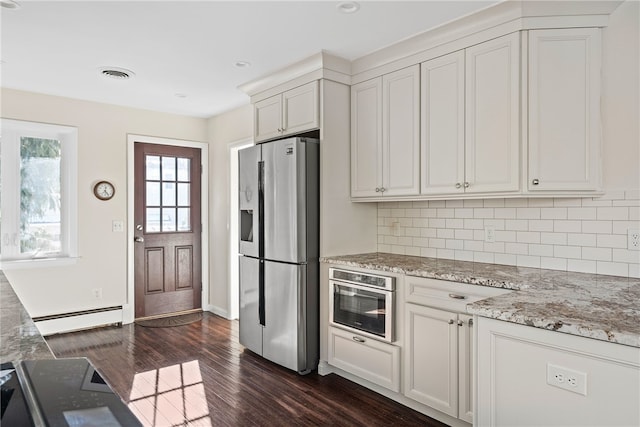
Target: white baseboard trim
[
  {"x": 217, "y": 310},
  {"x": 72, "y": 322}
]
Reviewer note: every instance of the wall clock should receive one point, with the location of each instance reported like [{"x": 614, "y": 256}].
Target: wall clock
[{"x": 104, "y": 190}]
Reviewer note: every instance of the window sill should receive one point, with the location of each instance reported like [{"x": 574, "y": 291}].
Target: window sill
[{"x": 21, "y": 264}]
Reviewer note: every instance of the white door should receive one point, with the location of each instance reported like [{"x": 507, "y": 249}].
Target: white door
[
  {"x": 493, "y": 115},
  {"x": 442, "y": 134},
  {"x": 564, "y": 109},
  {"x": 401, "y": 132},
  {"x": 366, "y": 138}
]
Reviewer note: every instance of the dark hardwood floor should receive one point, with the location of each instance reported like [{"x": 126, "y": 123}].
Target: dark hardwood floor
[{"x": 200, "y": 375}]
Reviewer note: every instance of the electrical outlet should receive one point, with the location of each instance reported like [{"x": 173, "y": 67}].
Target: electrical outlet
[
  {"x": 567, "y": 379},
  {"x": 97, "y": 293},
  {"x": 117, "y": 226},
  {"x": 633, "y": 240},
  {"x": 490, "y": 234}
]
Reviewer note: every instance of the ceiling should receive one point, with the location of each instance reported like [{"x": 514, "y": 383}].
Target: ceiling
[{"x": 183, "y": 52}]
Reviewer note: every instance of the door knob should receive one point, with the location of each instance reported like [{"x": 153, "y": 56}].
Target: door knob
[{"x": 138, "y": 239}]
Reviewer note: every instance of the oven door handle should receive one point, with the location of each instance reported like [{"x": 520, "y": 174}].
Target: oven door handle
[{"x": 372, "y": 289}]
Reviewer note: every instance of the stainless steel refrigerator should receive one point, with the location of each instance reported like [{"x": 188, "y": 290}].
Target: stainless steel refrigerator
[{"x": 279, "y": 249}]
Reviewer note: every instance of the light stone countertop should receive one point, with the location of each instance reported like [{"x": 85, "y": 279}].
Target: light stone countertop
[
  {"x": 605, "y": 308},
  {"x": 19, "y": 337}
]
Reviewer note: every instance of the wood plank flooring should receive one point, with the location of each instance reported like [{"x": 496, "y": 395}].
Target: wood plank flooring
[{"x": 200, "y": 375}]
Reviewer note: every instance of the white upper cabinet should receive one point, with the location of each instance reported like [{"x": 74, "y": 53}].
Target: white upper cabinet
[
  {"x": 385, "y": 145},
  {"x": 564, "y": 116},
  {"x": 366, "y": 138},
  {"x": 442, "y": 132},
  {"x": 288, "y": 113},
  {"x": 470, "y": 119},
  {"x": 492, "y": 116}
]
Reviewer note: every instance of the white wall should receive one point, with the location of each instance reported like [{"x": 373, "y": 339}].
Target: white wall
[
  {"x": 102, "y": 154},
  {"x": 223, "y": 130},
  {"x": 588, "y": 234}
]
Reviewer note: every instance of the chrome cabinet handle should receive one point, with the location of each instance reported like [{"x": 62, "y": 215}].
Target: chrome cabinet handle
[
  {"x": 377, "y": 189},
  {"x": 451, "y": 321},
  {"x": 466, "y": 185},
  {"x": 138, "y": 239},
  {"x": 470, "y": 322},
  {"x": 535, "y": 182},
  {"x": 358, "y": 339},
  {"x": 456, "y": 296},
  {"x": 382, "y": 189},
  {"x": 458, "y": 185},
  {"x": 460, "y": 323}
]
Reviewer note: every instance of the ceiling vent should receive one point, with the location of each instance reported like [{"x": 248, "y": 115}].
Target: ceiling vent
[{"x": 116, "y": 73}]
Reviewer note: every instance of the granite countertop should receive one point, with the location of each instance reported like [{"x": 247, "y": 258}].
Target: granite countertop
[
  {"x": 19, "y": 337},
  {"x": 606, "y": 308}
]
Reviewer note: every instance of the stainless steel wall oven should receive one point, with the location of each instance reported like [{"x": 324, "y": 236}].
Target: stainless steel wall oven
[{"x": 362, "y": 302}]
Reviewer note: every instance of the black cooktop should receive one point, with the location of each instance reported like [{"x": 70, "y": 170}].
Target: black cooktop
[{"x": 61, "y": 393}]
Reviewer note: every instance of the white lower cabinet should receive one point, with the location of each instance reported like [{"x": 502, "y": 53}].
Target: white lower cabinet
[
  {"x": 438, "y": 360},
  {"x": 367, "y": 358},
  {"x": 534, "y": 377}
]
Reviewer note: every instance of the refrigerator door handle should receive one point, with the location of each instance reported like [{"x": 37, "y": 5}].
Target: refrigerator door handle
[{"x": 261, "y": 297}]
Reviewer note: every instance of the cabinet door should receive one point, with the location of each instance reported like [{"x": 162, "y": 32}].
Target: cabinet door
[
  {"x": 367, "y": 358},
  {"x": 465, "y": 368},
  {"x": 300, "y": 109},
  {"x": 401, "y": 132},
  {"x": 268, "y": 118},
  {"x": 366, "y": 138},
  {"x": 492, "y": 115},
  {"x": 564, "y": 109},
  {"x": 442, "y": 114},
  {"x": 431, "y": 358}
]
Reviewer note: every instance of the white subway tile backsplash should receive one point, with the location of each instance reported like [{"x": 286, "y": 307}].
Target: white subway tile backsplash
[
  {"x": 602, "y": 227},
  {"x": 578, "y": 239},
  {"x": 574, "y": 234},
  {"x": 612, "y": 241},
  {"x": 553, "y": 263},
  {"x": 516, "y": 224},
  {"x": 528, "y": 237},
  {"x": 612, "y": 268},
  {"x": 540, "y": 225},
  {"x": 563, "y": 226},
  {"x": 618, "y": 213},
  {"x": 596, "y": 254},
  {"x": 506, "y": 213},
  {"x": 553, "y": 213},
  {"x": 528, "y": 213},
  {"x": 581, "y": 213}
]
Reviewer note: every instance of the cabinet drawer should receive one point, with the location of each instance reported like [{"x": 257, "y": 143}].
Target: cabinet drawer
[
  {"x": 367, "y": 358},
  {"x": 447, "y": 295}
]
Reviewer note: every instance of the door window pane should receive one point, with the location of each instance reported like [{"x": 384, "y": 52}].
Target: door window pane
[
  {"x": 168, "y": 219},
  {"x": 152, "y": 167},
  {"x": 183, "y": 194},
  {"x": 184, "y": 169},
  {"x": 153, "y": 194},
  {"x": 153, "y": 220},
  {"x": 40, "y": 215},
  {"x": 184, "y": 219},
  {"x": 168, "y": 194},
  {"x": 168, "y": 168}
]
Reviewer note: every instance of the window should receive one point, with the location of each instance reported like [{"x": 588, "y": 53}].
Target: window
[{"x": 38, "y": 186}]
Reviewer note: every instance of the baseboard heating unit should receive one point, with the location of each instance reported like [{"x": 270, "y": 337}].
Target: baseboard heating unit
[{"x": 77, "y": 320}]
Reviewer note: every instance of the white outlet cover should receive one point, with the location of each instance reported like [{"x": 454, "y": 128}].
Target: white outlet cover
[
  {"x": 490, "y": 234},
  {"x": 633, "y": 240},
  {"x": 567, "y": 379}
]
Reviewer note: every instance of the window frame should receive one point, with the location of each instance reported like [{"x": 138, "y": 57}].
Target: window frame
[{"x": 11, "y": 131}]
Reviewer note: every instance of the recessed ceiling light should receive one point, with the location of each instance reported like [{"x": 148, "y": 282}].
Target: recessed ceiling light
[
  {"x": 116, "y": 73},
  {"x": 242, "y": 64},
  {"x": 348, "y": 7},
  {"x": 9, "y": 4},
  {"x": 180, "y": 95}
]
